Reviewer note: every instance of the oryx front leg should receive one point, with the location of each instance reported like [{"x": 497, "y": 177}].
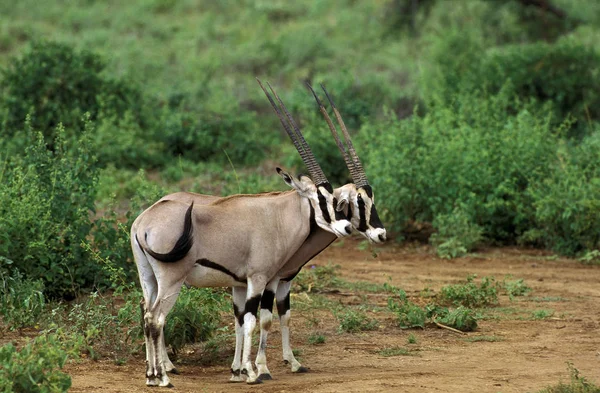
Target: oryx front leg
[
  {"x": 266, "y": 319},
  {"x": 256, "y": 285},
  {"x": 283, "y": 309},
  {"x": 239, "y": 304}
]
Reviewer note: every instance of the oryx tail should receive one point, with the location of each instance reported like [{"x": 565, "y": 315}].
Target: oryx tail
[{"x": 183, "y": 244}]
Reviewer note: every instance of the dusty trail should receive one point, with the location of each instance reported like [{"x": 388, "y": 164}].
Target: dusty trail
[{"x": 529, "y": 354}]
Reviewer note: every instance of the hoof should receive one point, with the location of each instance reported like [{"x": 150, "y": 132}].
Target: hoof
[
  {"x": 174, "y": 371},
  {"x": 264, "y": 377},
  {"x": 170, "y": 385},
  {"x": 255, "y": 382},
  {"x": 302, "y": 369}
]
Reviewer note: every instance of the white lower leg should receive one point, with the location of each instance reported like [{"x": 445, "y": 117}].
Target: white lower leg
[
  {"x": 236, "y": 365},
  {"x": 266, "y": 319},
  {"x": 288, "y": 355},
  {"x": 249, "y": 325}
]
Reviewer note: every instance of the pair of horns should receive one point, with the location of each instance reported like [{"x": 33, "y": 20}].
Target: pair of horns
[
  {"x": 359, "y": 177},
  {"x": 314, "y": 170}
]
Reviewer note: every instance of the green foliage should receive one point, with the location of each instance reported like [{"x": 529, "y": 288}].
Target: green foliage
[
  {"x": 541, "y": 314},
  {"x": 461, "y": 318},
  {"x": 195, "y": 317},
  {"x": 516, "y": 288},
  {"x": 34, "y": 368},
  {"x": 591, "y": 257},
  {"x": 578, "y": 384},
  {"x": 394, "y": 351},
  {"x": 354, "y": 321},
  {"x": 470, "y": 294},
  {"x": 408, "y": 314},
  {"x": 46, "y": 199},
  {"x": 316, "y": 339},
  {"x": 456, "y": 234},
  {"x": 21, "y": 300},
  {"x": 316, "y": 278}
]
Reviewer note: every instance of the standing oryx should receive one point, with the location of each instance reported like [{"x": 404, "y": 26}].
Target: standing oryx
[
  {"x": 240, "y": 240},
  {"x": 356, "y": 200}
]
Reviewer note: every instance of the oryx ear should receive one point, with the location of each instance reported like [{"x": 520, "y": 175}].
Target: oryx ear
[
  {"x": 289, "y": 180},
  {"x": 342, "y": 204}
]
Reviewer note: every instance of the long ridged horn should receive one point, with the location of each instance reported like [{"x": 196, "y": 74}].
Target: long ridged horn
[
  {"x": 358, "y": 173},
  {"x": 336, "y": 136},
  {"x": 315, "y": 171}
]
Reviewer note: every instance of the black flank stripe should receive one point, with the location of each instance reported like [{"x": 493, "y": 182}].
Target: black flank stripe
[
  {"x": 283, "y": 305},
  {"x": 266, "y": 301},
  {"x": 323, "y": 207},
  {"x": 212, "y": 265}
]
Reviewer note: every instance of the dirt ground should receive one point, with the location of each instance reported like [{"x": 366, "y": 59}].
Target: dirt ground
[{"x": 527, "y": 355}]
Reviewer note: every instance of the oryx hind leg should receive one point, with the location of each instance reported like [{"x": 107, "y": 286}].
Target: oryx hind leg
[
  {"x": 154, "y": 320},
  {"x": 256, "y": 286},
  {"x": 266, "y": 319},
  {"x": 239, "y": 303},
  {"x": 283, "y": 309}
]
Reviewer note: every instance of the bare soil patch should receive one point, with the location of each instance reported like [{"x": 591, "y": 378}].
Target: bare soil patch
[{"x": 517, "y": 353}]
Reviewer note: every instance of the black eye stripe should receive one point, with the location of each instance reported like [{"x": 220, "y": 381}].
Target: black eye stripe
[
  {"x": 362, "y": 224},
  {"x": 374, "y": 219},
  {"x": 323, "y": 207}
]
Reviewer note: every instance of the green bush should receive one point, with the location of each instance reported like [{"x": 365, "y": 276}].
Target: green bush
[
  {"x": 56, "y": 84},
  {"x": 456, "y": 234},
  {"x": 188, "y": 323},
  {"x": 21, "y": 300},
  {"x": 46, "y": 198},
  {"x": 461, "y": 318},
  {"x": 469, "y": 153},
  {"x": 354, "y": 321},
  {"x": 35, "y": 368},
  {"x": 470, "y": 294},
  {"x": 408, "y": 314}
]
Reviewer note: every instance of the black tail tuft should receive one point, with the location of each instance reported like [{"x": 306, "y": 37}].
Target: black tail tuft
[{"x": 184, "y": 243}]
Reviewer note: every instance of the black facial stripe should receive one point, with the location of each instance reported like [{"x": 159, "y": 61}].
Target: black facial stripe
[
  {"x": 313, "y": 222},
  {"x": 339, "y": 215},
  {"x": 323, "y": 207},
  {"x": 212, "y": 265},
  {"x": 362, "y": 224},
  {"x": 368, "y": 190},
  {"x": 266, "y": 301},
  {"x": 283, "y": 305},
  {"x": 374, "y": 219}
]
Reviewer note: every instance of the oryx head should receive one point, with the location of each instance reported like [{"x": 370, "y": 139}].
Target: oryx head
[
  {"x": 358, "y": 197},
  {"x": 315, "y": 188}
]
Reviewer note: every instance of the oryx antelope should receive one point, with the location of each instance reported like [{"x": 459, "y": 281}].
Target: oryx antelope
[
  {"x": 357, "y": 201},
  {"x": 236, "y": 241}
]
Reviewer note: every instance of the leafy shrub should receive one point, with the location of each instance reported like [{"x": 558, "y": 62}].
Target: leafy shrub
[
  {"x": 57, "y": 84},
  {"x": 470, "y": 294},
  {"x": 34, "y": 368},
  {"x": 456, "y": 234},
  {"x": 46, "y": 200},
  {"x": 469, "y": 153},
  {"x": 516, "y": 288},
  {"x": 461, "y": 318},
  {"x": 317, "y": 278},
  {"x": 354, "y": 321},
  {"x": 195, "y": 317},
  {"x": 578, "y": 384},
  {"x": 21, "y": 300},
  {"x": 408, "y": 314}
]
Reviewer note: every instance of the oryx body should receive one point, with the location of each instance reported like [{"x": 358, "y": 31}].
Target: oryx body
[
  {"x": 357, "y": 204},
  {"x": 241, "y": 240}
]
